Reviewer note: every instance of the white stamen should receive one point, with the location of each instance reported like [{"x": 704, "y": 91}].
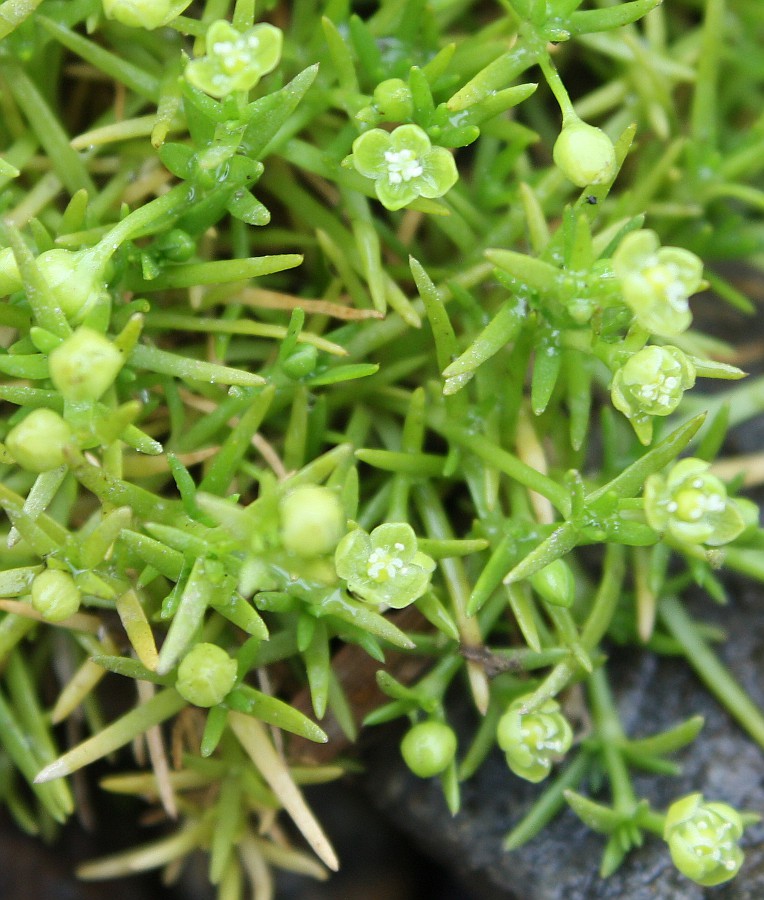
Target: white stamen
[{"x": 402, "y": 165}]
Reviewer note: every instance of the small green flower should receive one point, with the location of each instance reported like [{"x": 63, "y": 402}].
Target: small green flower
[
  {"x": 384, "y": 566},
  {"x": 206, "y": 674},
  {"x": 533, "y": 741},
  {"x": 38, "y": 443},
  {"x": 702, "y": 838},
  {"x": 585, "y": 154},
  {"x": 147, "y": 14},
  {"x": 312, "y": 520},
  {"x": 85, "y": 365},
  {"x": 55, "y": 595},
  {"x": 428, "y": 748},
  {"x": 403, "y": 165},
  {"x": 651, "y": 383},
  {"x": 692, "y": 505},
  {"x": 235, "y": 61},
  {"x": 657, "y": 281}
]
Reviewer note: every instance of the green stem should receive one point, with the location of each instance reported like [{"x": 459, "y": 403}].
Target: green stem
[{"x": 611, "y": 734}]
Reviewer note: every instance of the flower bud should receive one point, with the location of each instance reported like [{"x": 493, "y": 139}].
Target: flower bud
[
  {"x": 702, "y": 838},
  {"x": 312, "y": 520},
  {"x": 75, "y": 282},
  {"x": 555, "y": 583},
  {"x": 147, "y": 14},
  {"x": 206, "y": 674},
  {"x": 428, "y": 748},
  {"x": 585, "y": 154},
  {"x": 651, "y": 383},
  {"x": 85, "y": 365},
  {"x": 393, "y": 97},
  {"x": 55, "y": 595},
  {"x": 301, "y": 361},
  {"x": 534, "y": 740},
  {"x": 37, "y": 444}
]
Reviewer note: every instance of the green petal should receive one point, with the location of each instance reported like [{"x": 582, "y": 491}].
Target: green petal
[
  {"x": 635, "y": 252},
  {"x": 440, "y": 173},
  {"x": 220, "y": 32},
  {"x": 655, "y": 503},
  {"x": 425, "y": 562},
  {"x": 205, "y": 74},
  {"x": 395, "y": 196},
  {"x": 265, "y": 43},
  {"x": 390, "y": 534},
  {"x": 369, "y": 153},
  {"x": 685, "y": 469},
  {"x": 664, "y": 320},
  {"x": 397, "y": 592},
  {"x": 351, "y": 556},
  {"x": 686, "y": 267},
  {"x": 411, "y": 137},
  {"x": 727, "y": 525},
  {"x": 691, "y": 532}
]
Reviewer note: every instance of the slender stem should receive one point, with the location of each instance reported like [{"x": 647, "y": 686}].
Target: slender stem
[{"x": 611, "y": 734}]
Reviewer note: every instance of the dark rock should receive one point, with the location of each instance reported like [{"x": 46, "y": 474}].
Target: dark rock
[{"x": 562, "y": 862}]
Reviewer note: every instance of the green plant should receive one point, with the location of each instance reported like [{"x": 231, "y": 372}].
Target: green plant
[{"x": 305, "y": 324}]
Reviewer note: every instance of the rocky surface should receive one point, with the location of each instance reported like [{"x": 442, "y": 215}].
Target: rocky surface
[{"x": 561, "y": 864}]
